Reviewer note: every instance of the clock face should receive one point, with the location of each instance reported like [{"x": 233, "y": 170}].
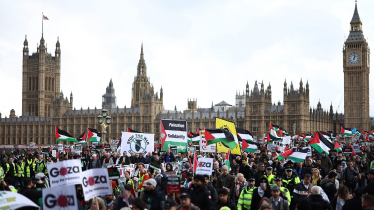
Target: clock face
[{"x": 353, "y": 58}]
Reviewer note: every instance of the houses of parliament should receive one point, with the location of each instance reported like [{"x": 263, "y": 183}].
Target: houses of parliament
[{"x": 45, "y": 106}]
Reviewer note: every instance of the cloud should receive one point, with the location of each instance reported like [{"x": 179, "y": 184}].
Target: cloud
[{"x": 197, "y": 49}]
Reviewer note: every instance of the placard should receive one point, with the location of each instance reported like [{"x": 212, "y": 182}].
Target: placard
[
  {"x": 356, "y": 148},
  {"x": 12, "y": 200},
  {"x": 94, "y": 144},
  {"x": 173, "y": 179},
  {"x": 155, "y": 164},
  {"x": 60, "y": 198},
  {"x": 95, "y": 182},
  {"x": 173, "y": 133},
  {"x": 137, "y": 143},
  {"x": 60, "y": 147},
  {"x": 32, "y": 145},
  {"x": 65, "y": 173},
  {"x": 204, "y": 166},
  {"x": 113, "y": 173},
  {"x": 53, "y": 153},
  {"x": 309, "y": 151}
]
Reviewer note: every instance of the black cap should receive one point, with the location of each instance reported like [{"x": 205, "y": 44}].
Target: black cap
[
  {"x": 290, "y": 162},
  {"x": 288, "y": 169},
  {"x": 184, "y": 195},
  {"x": 223, "y": 191},
  {"x": 269, "y": 168},
  {"x": 128, "y": 187},
  {"x": 277, "y": 178},
  {"x": 371, "y": 171},
  {"x": 199, "y": 177},
  {"x": 252, "y": 179},
  {"x": 169, "y": 203},
  {"x": 332, "y": 174},
  {"x": 189, "y": 173}
]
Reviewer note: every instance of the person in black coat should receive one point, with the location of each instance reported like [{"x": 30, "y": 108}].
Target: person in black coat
[
  {"x": 153, "y": 197},
  {"x": 245, "y": 169},
  {"x": 125, "y": 160},
  {"x": 354, "y": 203},
  {"x": 141, "y": 158},
  {"x": 200, "y": 195},
  {"x": 307, "y": 169},
  {"x": 224, "y": 200},
  {"x": 262, "y": 191},
  {"x": 212, "y": 190}
]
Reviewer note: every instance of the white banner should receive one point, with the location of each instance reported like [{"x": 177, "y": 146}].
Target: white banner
[
  {"x": 204, "y": 166},
  {"x": 95, "y": 182},
  {"x": 309, "y": 151},
  {"x": 356, "y": 148},
  {"x": 286, "y": 140},
  {"x": 174, "y": 133},
  {"x": 137, "y": 142},
  {"x": 206, "y": 148},
  {"x": 56, "y": 198},
  {"x": 94, "y": 144},
  {"x": 11, "y": 200},
  {"x": 60, "y": 147},
  {"x": 32, "y": 145},
  {"x": 65, "y": 173}
]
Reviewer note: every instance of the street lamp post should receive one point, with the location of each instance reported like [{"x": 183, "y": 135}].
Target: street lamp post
[{"x": 104, "y": 122}]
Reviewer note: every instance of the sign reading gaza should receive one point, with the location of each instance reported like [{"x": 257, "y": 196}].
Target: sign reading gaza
[
  {"x": 95, "y": 182},
  {"x": 65, "y": 173},
  {"x": 60, "y": 198},
  {"x": 204, "y": 166},
  {"x": 174, "y": 132}
]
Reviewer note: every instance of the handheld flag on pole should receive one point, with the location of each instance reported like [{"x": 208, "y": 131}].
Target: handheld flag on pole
[
  {"x": 63, "y": 135},
  {"x": 296, "y": 156}
]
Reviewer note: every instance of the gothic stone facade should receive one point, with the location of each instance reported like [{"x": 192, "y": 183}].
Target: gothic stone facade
[{"x": 43, "y": 106}]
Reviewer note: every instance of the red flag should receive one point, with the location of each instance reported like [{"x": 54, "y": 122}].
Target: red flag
[
  {"x": 194, "y": 162},
  {"x": 45, "y": 18},
  {"x": 353, "y": 152}
]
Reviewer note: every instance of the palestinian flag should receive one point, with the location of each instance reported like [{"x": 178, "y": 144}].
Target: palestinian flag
[
  {"x": 132, "y": 131},
  {"x": 307, "y": 136},
  {"x": 249, "y": 146},
  {"x": 337, "y": 147},
  {"x": 80, "y": 138},
  {"x": 92, "y": 135},
  {"x": 224, "y": 136},
  {"x": 63, "y": 135},
  {"x": 284, "y": 132},
  {"x": 194, "y": 139},
  {"x": 227, "y": 160},
  {"x": 270, "y": 138},
  {"x": 244, "y": 134},
  {"x": 274, "y": 130},
  {"x": 295, "y": 156},
  {"x": 346, "y": 131},
  {"x": 194, "y": 162},
  {"x": 326, "y": 135},
  {"x": 372, "y": 132},
  {"x": 321, "y": 144}
]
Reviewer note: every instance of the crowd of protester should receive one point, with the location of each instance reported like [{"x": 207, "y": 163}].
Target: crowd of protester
[{"x": 252, "y": 181}]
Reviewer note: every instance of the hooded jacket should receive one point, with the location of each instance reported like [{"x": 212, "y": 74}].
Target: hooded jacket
[
  {"x": 316, "y": 202},
  {"x": 154, "y": 198},
  {"x": 201, "y": 197},
  {"x": 257, "y": 197}
]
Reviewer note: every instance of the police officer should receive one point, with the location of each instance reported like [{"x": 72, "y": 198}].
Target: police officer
[
  {"x": 285, "y": 193},
  {"x": 245, "y": 198},
  {"x": 290, "y": 180},
  {"x": 269, "y": 175},
  {"x": 10, "y": 169},
  {"x": 40, "y": 167},
  {"x": 18, "y": 178}
]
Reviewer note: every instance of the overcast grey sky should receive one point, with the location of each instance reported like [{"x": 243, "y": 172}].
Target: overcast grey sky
[{"x": 195, "y": 49}]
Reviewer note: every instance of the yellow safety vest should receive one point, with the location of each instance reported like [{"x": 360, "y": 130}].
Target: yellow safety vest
[
  {"x": 7, "y": 168},
  {"x": 245, "y": 199},
  {"x": 20, "y": 170},
  {"x": 141, "y": 180},
  {"x": 270, "y": 179},
  {"x": 287, "y": 194},
  {"x": 27, "y": 171},
  {"x": 2, "y": 174}
]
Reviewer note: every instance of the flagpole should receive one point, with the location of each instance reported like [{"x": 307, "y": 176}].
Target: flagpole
[{"x": 42, "y": 23}]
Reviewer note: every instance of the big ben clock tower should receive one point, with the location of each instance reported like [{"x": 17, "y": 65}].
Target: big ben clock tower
[{"x": 356, "y": 68}]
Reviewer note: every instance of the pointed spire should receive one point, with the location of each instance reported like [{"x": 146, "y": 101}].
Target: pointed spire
[
  {"x": 111, "y": 83},
  {"x": 356, "y": 16},
  {"x": 25, "y": 43},
  {"x": 141, "y": 53}
]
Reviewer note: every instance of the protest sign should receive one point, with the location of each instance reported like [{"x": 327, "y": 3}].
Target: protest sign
[
  {"x": 53, "y": 153},
  {"x": 11, "y": 200},
  {"x": 60, "y": 147},
  {"x": 95, "y": 182},
  {"x": 204, "y": 166},
  {"x": 113, "y": 173},
  {"x": 155, "y": 164},
  {"x": 94, "y": 144},
  {"x": 32, "y": 145},
  {"x": 174, "y": 133},
  {"x": 173, "y": 185},
  {"x": 60, "y": 198},
  {"x": 65, "y": 173},
  {"x": 204, "y": 147},
  {"x": 356, "y": 148},
  {"x": 137, "y": 143},
  {"x": 309, "y": 151}
]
